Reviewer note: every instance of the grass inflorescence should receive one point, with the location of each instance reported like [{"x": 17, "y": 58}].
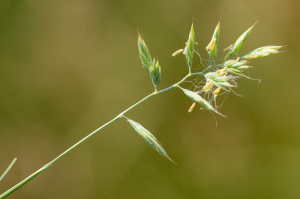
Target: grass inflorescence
[{"x": 213, "y": 81}]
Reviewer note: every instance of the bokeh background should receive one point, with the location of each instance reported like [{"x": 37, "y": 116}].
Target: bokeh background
[{"x": 67, "y": 67}]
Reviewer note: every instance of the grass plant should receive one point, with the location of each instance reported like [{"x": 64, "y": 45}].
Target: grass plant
[{"x": 213, "y": 81}]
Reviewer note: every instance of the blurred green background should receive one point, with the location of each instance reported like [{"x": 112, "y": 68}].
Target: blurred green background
[{"x": 67, "y": 67}]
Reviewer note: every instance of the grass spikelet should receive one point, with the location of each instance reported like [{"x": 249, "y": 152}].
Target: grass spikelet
[
  {"x": 152, "y": 67},
  {"x": 215, "y": 36},
  {"x": 149, "y": 138},
  {"x": 190, "y": 47},
  {"x": 236, "y": 47},
  {"x": 261, "y": 52},
  {"x": 197, "y": 98},
  {"x": 144, "y": 53}
]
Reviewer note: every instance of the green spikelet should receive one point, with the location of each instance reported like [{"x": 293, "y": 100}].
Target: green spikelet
[
  {"x": 152, "y": 67},
  {"x": 190, "y": 47},
  {"x": 144, "y": 53},
  {"x": 216, "y": 37},
  {"x": 236, "y": 47},
  {"x": 261, "y": 52},
  {"x": 197, "y": 98},
  {"x": 155, "y": 72},
  {"x": 149, "y": 138}
]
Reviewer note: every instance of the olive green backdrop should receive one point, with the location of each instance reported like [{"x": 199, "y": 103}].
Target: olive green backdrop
[{"x": 67, "y": 67}]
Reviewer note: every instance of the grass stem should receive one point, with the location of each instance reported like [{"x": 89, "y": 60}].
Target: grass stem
[
  {"x": 8, "y": 168},
  {"x": 23, "y": 182}
]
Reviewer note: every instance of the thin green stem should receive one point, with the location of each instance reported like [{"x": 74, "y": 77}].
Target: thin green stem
[
  {"x": 210, "y": 58},
  {"x": 166, "y": 89},
  {"x": 11, "y": 190},
  {"x": 121, "y": 114},
  {"x": 17, "y": 186},
  {"x": 174, "y": 85},
  {"x": 14, "y": 188},
  {"x": 8, "y": 168}
]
